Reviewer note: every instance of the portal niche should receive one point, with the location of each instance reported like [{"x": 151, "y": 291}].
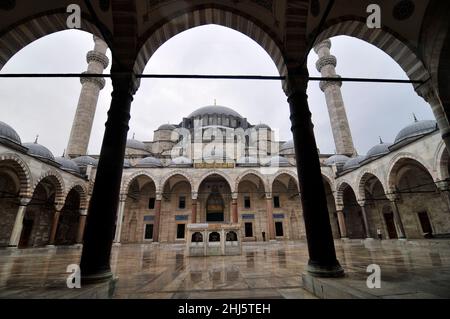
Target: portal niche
[{"x": 215, "y": 208}]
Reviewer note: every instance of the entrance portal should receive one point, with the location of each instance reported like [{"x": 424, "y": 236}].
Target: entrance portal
[{"x": 215, "y": 208}]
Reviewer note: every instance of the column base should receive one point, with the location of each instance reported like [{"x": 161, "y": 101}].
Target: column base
[
  {"x": 78, "y": 246},
  {"x": 97, "y": 278},
  {"x": 325, "y": 271},
  {"x": 50, "y": 246},
  {"x": 117, "y": 244}
]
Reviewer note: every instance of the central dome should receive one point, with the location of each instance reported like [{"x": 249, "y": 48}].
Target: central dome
[{"x": 214, "y": 109}]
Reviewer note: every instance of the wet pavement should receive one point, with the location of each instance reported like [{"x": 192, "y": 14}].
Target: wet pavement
[{"x": 413, "y": 269}]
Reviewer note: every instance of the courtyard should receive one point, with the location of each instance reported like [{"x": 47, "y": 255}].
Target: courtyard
[{"x": 409, "y": 269}]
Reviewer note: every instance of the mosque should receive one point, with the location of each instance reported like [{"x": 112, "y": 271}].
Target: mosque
[{"x": 214, "y": 166}]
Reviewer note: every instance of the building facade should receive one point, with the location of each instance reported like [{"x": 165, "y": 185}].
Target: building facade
[{"x": 214, "y": 166}]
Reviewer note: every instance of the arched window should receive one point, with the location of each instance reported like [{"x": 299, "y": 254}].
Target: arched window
[
  {"x": 197, "y": 237},
  {"x": 214, "y": 237},
  {"x": 232, "y": 236}
]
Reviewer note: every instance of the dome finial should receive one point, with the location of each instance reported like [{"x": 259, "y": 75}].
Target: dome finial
[
  {"x": 215, "y": 102},
  {"x": 381, "y": 140},
  {"x": 36, "y": 140},
  {"x": 134, "y": 135},
  {"x": 64, "y": 153},
  {"x": 415, "y": 118}
]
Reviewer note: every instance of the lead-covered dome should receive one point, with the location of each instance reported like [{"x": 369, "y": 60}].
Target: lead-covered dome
[
  {"x": 84, "y": 161},
  {"x": 354, "y": 163},
  {"x": 149, "y": 162},
  {"x": 181, "y": 161},
  {"x": 418, "y": 128},
  {"x": 337, "y": 160},
  {"x": 278, "y": 161},
  {"x": 167, "y": 127},
  {"x": 247, "y": 161},
  {"x": 289, "y": 145},
  {"x": 68, "y": 165},
  {"x": 262, "y": 126},
  {"x": 136, "y": 145},
  {"x": 8, "y": 133},
  {"x": 379, "y": 150},
  {"x": 40, "y": 151},
  {"x": 214, "y": 109}
]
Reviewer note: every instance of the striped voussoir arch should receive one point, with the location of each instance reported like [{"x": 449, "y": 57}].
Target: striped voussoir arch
[
  {"x": 188, "y": 20},
  {"x": 58, "y": 182},
  {"x": 340, "y": 192},
  {"x": 18, "y": 36},
  {"x": 384, "y": 40},
  {"x": 22, "y": 171}
]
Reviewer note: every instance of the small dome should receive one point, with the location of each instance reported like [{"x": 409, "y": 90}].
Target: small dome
[
  {"x": 167, "y": 127},
  {"x": 8, "y": 133},
  {"x": 416, "y": 129},
  {"x": 85, "y": 161},
  {"x": 278, "y": 161},
  {"x": 68, "y": 165},
  {"x": 379, "y": 150},
  {"x": 181, "y": 161},
  {"x": 336, "y": 160},
  {"x": 214, "y": 109},
  {"x": 149, "y": 162},
  {"x": 262, "y": 126},
  {"x": 250, "y": 161},
  {"x": 287, "y": 146},
  {"x": 38, "y": 150},
  {"x": 136, "y": 145},
  {"x": 354, "y": 163}
]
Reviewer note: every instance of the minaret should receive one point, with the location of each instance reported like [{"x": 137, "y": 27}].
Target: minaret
[
  {"x": 326, "y": 65},
  {"x": 87, "y": 103}
]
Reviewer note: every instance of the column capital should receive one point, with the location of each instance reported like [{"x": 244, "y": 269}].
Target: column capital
[
  {"x": 443, "y": 186},
  {"x": 194, "y": 195},
  {"x": 59, "y": 207},
  {"x": 428, "y": 92},
  {"x": 24, "y": 201},
  {"x": 362, "y": 202},
  {"x": 269, "y": 195},
  {"x": 122, "y": 197},
  {"x": 83, "y": 212},
  {"x": 158, "y": 196},
  {"x": 393, "y": 197}
]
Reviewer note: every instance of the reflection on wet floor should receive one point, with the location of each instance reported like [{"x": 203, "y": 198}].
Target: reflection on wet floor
[{"x": 270, "y": 270}]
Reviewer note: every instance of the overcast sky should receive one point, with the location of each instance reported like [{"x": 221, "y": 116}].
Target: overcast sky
[{"x": 47, "y": 106}]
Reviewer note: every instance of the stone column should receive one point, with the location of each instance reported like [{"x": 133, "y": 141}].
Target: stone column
[
  {"x": 234, "y": 209},
  {"x": 322, "y": 253},
  {"x": 54, "y": 227},
  {"x": 270, "y": 222},
  {"x": 157, "y": 218},
  {"x": 81, "y": 226},
  {"x": 18, "y": 223},
  {"x": 194, "y": 210},
  {"x": 429, "y": 94},
  {"x": 119, "y": 220},
  {"x": 365, "y": 220},
  {"x": 444, "y": 190},
  {"x": 393, "y": 198},
  {"x": 99, "y": 232},
  {"x": 87, "y": 103},
  {"x": 342, "y": 225},
  {"x": 326, "y": 65}
]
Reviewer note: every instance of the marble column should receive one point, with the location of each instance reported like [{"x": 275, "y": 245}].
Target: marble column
[
  {"x": 342, "y": 225},
  {"x": 101, "y": 219},
  {"x": 362, "y": 204},
  {"x": 54, "y": 227},
  {"x": 430, "y": 95},
  {"x": 18, "y": 223},
  {"x": 119, "y": 220},
  {"x": 322, "y": 253},
  {"x": 393, "y": 198},
  {"x": 157, "y": 218},
  {"x": 270, "y": 221},
  {"x": 81, "y": 226},
  {"x": 234, "y": 210}
]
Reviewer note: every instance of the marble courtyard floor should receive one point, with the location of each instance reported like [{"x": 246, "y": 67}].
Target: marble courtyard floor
[{"x": 412, "y": 269}]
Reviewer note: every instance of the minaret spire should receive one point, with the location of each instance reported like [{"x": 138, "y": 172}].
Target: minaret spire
[
  {"x": 87, "y": 103},
  {"x": 326, "y": 65}
]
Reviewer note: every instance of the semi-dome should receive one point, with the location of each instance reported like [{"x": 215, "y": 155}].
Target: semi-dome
[
  {"x": 354, "y": 163},
  {"x": 336, "y": 160},
  {"x": 181, "y": 161},
  {"x": 85, "y": 161},
  {"x": 68, "y": 165},
  {"x": 167, "y": 127},
  {"x": 150, "y": 162},
  {"x": 136, "y": 145},
  {"x": 418, "y": 128},
  {"x": 379, "y": 150},
  {"x": 214, "y": 109},
  {"x": 287, "y": 146},
  {"x": 38, "y": 150},
  {"x": 247, "y": 161},
  {"x": 8, "y": 133},
  {"x": 278, "y": 161}
]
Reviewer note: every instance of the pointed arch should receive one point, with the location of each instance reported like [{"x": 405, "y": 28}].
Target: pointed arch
[
  {"x": 57, "y": 181},
  {"x": 255, "y": 173},
  {"x": 127, "y": 182},
  {"x": 215, "y": 172},
  {"x": 23, "y": 172}
]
